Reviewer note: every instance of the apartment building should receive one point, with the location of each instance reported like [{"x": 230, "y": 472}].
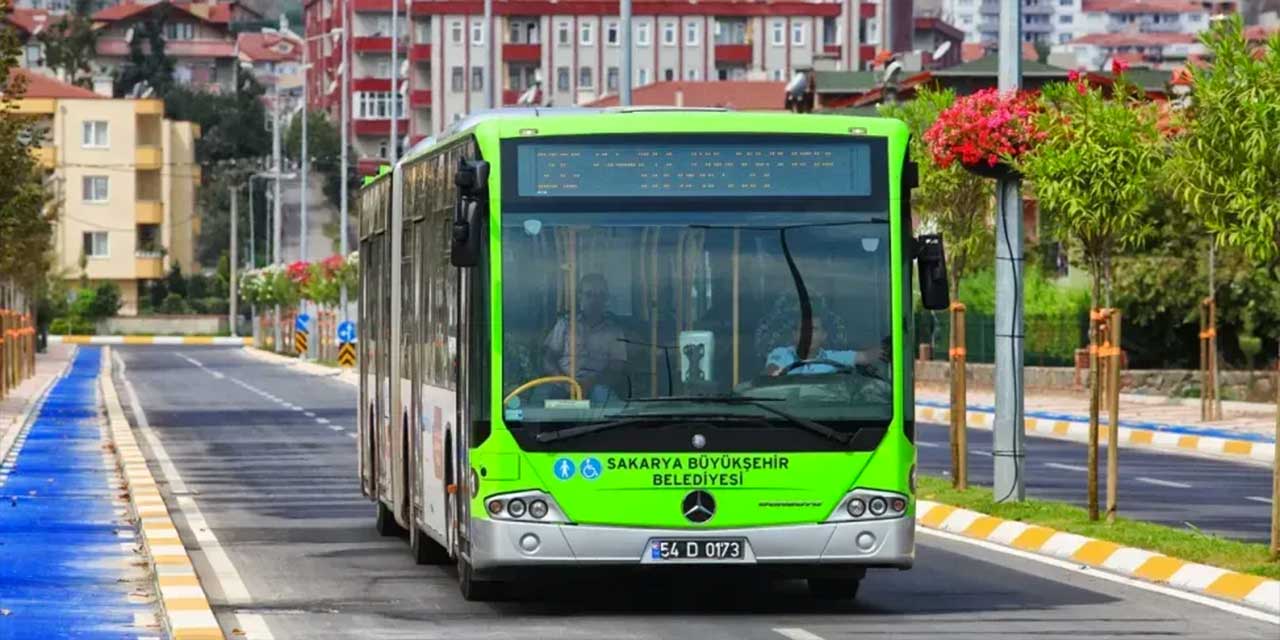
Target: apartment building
[
  {"x": 124, "y": 178},
  {"x": 1058, "y": 22},
  {"x": 554, "y": 53},
  {"x": 198, "y": 37}
]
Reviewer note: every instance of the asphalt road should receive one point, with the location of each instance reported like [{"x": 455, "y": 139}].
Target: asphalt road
[
  {"x": 1219, "y": 496},
  {"x": 277, "y": 489}
]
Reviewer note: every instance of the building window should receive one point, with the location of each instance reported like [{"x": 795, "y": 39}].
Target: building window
[
  {"x": 95, "y": 244},
  {"x": 35, "y": 55},
  {"x": 585, "y": 78},
  {"x": 669, "y": 34},
  {"x": 642, "y": 34},
  {"x": 383, "y": 147},
  {"x": 94, "y": 135},
  {"x": 612, "y": 34},
  {"x": 149, "y": 240},
  {"x": 777, "y": 75},
  {"x": 798, "y": 30},
  {"x": 456, "y": 80},
  {"x": 691, "y": 74},
  {"x": 94, "y": 188},
  {"x": 477, "y": 78},
  {"x": 1066, "y": 3},
  {"x": 692, "y": 31},
  {"x": 967, "y": 21},
  {"x": 777, "y": 34},
  {"x": 611, "y": 79},
  {"x": 382, "y": 67},
  {"x": 587, "y": 34},
  {"x": 455, "y": 32},
  {"x": 1065, "y": 18},
  {"x": 668, "y": 74},
  {"x": 180, "y": 31},
  {"x": 562, "y": 34},
  {"x": 421, "y": 31},
  {"x": 477, "y": 33},
  {"x": 642, "y": 76},
  {"x": 562, "y": 79},
  {"x": 1064, "y": 38}
]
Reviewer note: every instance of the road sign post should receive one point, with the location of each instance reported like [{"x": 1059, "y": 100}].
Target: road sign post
[
  {"x": 346, "y": 343},
  {"x": 301, "y": 334}
]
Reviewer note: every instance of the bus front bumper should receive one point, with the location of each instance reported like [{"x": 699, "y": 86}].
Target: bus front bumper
[{"x": 879, "y": 543}]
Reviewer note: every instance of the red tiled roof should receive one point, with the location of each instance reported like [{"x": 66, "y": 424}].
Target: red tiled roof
[
  {"x": 1258, "y": 33},
  {"x": 260, "y": 47},
  {"x": 26, "y": 20},
  {"x": 1142, "y": 6},
  {"x": 175, "y": 48},
  {"x": 743, "y": 95},
  {"x": 219, "y": 13},
  {"x": 971, "y": 51},
  {"x": 1135, "y": 39},
  {"x": 42, "y": 86},
  {"x": 939, "y": 25}
]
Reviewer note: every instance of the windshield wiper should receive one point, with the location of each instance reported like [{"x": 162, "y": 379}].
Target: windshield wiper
[
  {"x": 804, "y": 423},
  {"x": 573, "y": 432}
]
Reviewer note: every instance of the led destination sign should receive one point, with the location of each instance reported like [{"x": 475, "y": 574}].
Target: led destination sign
[{"x": 753, "y": 168}]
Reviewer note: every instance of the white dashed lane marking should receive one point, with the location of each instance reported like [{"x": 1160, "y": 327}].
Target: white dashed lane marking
[
  {"x": 351, "y": 435},
  {"x": 309, "y": 414},
  {"x": 322, "y": 421},
  {"x": 335, "y": 427},
  {"x": 796, "y": 633},
  {"x": 1064, "y": 467},
  {"x": 1259, "y": 499},
  {"x": 1163, "y": 483}
]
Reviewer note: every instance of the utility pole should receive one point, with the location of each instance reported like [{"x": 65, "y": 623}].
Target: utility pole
[
  {"x": 277, "y": 228},
  {"x": 344, "y": 117},
  {"x": 306, "y": 160},
  {"x": 624, "y": 90},
  {"x": 491, "y": 80},
  {"x": 394, "y": 107},
  {"x": 231, "y": 264},
  {"x": 1009, "y": 453}
]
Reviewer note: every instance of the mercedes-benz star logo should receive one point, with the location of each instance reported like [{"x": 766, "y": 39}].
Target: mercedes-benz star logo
[{"x": 698, "y": 506}]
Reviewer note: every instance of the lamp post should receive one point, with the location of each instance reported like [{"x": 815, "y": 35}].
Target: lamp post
[{"x": 345, "y": 118}]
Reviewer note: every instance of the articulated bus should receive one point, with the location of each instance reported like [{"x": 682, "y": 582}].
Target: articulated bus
[{"x": 645, "y": 338}]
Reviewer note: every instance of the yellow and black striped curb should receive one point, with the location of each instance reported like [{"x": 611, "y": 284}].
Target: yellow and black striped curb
[
  {"x": 187, "y": 613},
  {"x": 1079, "y": 431},
  {"x": 186, "y": 340},
  {"x": 1253, "y": 591}
]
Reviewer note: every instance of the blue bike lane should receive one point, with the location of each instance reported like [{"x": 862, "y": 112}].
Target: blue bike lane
[{"x": 67, "y": 562}]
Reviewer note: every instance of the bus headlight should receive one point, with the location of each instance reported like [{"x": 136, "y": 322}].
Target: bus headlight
[
  {"x": 533, "y": 507},
  {"x": 861, "y": 505}
]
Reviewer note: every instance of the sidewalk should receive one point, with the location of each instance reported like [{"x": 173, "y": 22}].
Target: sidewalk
[
  {"x": 69, "y": 566},
  {"x": 1250, "y": 421},
  {"x": 14, "y": 407}
]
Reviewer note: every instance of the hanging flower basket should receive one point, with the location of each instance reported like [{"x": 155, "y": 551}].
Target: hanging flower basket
[{"x": 985, "y": 132}]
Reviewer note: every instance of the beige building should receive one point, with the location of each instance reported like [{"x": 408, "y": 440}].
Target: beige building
[{"x": 124, "y": 180}]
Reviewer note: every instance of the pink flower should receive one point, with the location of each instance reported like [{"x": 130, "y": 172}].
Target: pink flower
[
  {"x": 1119, "y": 66},
  {"x": 1081, "y": 89},
  {"x": 985, "y": 127},
  {"x": 1073, "y": 75}
]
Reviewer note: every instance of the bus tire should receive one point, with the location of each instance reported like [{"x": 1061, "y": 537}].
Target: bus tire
[
  {"x": 834, "y": 588},
  {"x": 473, "y": 589},
  {"x": 386, "y": 522},
  {"x": 425, "y": 549}
]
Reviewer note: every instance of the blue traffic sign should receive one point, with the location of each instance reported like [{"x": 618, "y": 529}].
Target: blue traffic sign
[
  {"x": 300, "y": 324},
  {"x": 346, "y": 331},
  {"x": 563, "y": 468}
]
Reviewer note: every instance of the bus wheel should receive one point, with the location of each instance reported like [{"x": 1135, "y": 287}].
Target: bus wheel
[
  {"x": 425, "y": 549},
  {"x": 474, "y": 590},
  {"x": 834, "y": 588},
  {"x": 386, "y": 522}
]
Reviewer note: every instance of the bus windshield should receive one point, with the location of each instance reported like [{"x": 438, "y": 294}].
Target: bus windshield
[{"x": 673, "y": 308}]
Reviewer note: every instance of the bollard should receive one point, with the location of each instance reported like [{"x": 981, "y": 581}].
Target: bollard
[{"x": 959, "y": 400}]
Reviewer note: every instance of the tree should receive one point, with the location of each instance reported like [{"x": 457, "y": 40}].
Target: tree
[
  {"x": 1096, "y": 170},
  {"x": 71, "y": 44},
  {"x": 956, "y": 202},
  {"x": 232, "y": 124},
  {"x": 1227, "y": 164},
  {"x": 25, "y": 231},
  {"x": 148, "y": 63}
]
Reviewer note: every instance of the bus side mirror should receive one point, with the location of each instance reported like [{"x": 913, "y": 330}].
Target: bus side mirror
[
  {"x": 472, "y": 180},
  {"x": 931, "y": 262}
]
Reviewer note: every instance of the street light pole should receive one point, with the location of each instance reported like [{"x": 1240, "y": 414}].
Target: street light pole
[
  {"x": 231, "y": 263},
  {"x": 394, "y": 107},
  {"x": 491, "y": 81},
  {"x": 624, "y": 91},
  {"x": 306, "y": 159},
  {"x": 344, "y": 117},
  {"x": 1009, "y": 452},
  {"x": 276, "y": 223}
]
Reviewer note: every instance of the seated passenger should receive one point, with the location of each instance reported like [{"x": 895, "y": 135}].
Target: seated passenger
[
  {"x": 782, "y": 357},
  {"x": 600, "y": 352}
]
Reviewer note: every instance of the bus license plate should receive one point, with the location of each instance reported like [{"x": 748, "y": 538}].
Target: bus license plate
[{"x": 696, "y": 550}]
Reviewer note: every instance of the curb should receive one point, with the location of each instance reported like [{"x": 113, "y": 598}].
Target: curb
[
  {"x": 187, "y": 613},
  {"x": 1129, "y": 436},
  {"x": 186, "y": 340},
  {"x": 1252, "y": 591},
  {"x": 313, "y": 368}
]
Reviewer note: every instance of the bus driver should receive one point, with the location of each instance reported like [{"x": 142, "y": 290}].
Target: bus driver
[
  {"x": 782, "y": 357},
  {"x": 599, "y": 338}
]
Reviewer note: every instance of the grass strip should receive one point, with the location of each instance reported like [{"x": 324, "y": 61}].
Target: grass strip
[{"x": 1188, "y": 544}]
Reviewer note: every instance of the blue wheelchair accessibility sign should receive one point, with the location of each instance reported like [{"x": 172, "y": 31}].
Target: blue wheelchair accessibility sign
[{"x": 590, "y": 468}]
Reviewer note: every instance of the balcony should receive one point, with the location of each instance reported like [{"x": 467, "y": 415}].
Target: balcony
[
  {"x": 374, "y": 6},
  {"x": 510, "y": 97},
  {"x": 148, "y": 265},
  {"x": 148, "y": 158},
  {"x": 733, "y": 53},
  {"x": 833, "y": 50},
  {"x": 420, "y": 52},
  {"x": 371, "y": 84},
  {"x": 522, "y": 53},
  {"x": 148, "y": 212},
  {"x": 148, "y": 107},
  {"x": 46, "y": 156},
  {"x": 866, "y": 52},
  {"x": 420, "y": 98},
  {"x": 379, "y": 127},
  {"x": 374, "y": 44}
]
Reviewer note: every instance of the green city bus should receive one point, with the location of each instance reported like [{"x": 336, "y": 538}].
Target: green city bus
[{"x": 644, "y": 338}]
